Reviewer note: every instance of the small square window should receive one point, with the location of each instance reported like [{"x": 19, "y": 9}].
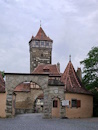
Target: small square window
[
  {"x": 42, "y": 43},
  {"x": 74, "y": 103},
  {"x": 55, "y": 103},
  {"x": 47, "y": 43},
  {"x": 41, "y": 55},
  {"x": 46, "y": 70},
  {"x": 37, "y": 43}
]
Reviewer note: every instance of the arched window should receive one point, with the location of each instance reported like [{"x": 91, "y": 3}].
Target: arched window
[{"x": 55, "y": 103}]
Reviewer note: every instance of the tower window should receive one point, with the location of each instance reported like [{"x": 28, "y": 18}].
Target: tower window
[
  {"x": 47, "y": 43},
  {"x": 37, "y": 43},
  {"x": 42, "y": 43},
  {"x": 41, "y": 55}
]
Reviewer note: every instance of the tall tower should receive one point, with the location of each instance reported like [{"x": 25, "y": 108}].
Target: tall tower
[{"x": 40, "y": 49}]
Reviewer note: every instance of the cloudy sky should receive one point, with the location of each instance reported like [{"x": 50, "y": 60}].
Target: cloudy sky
[{"x": 72, "y": 24}]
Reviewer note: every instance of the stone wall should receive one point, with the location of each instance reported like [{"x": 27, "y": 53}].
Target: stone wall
[
  {"x": 12, "y": 80},
  {"x": 25, "y": 100},
  {"x": 86, "y": 108},
  {"x": 56, "y": 110},
  {"x": 2, "y": 104},
  {"x": 57, "y": 92},
  {"x": 39, "y": 55},
  {"x": 13, "y": 104}
]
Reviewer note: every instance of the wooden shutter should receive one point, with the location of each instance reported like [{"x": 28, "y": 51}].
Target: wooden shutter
[
  {"x": 55, "y": 103},
  {"x": 78, "y": 103}
]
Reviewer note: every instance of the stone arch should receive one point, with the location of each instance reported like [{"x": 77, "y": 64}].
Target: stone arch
[
  {"x": 26, "y": 94},
  {"x": 12, "y": 80},
  {"x": 37, "y": 95},
  {"x": 36, "y": 107}
]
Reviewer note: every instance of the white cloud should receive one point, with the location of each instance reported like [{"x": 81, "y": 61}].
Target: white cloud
[
  {"x": 91, "y": 20},
  {"x": 71, "y": 24}
]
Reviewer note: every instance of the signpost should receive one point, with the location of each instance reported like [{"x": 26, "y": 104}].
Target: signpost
[{"x": 65, "y": 102}]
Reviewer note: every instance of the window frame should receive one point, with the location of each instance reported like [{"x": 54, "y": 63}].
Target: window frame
[
  {"x": 36, "y": 43},
  {"x": 47, "y": 44},
  {"x": 73, "y": 106},
  {"x": 55, "y": 103},
  {"x": 77, "y": 105},
  {"x": 42, "y": 43}
]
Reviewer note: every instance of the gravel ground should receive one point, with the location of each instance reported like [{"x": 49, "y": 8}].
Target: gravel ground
[{"x": 36, "y": 122}]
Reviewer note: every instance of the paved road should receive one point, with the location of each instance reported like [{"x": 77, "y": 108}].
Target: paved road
[{"x": 35, "y": 122}]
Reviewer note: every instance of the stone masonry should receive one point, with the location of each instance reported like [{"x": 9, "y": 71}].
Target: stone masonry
[
  {"x": 12, "y": 80},
  {"x": 40, "y": 48},
  {"x": 51, "y": 89},
  {"x": 56, "y": 90}
]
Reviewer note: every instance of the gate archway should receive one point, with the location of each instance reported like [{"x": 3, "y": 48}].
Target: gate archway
[
  {"x": 26, "y": 94},
  {"x": 13, "y": 79}
]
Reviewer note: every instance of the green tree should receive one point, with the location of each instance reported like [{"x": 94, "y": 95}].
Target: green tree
[
  {"x": 2, "y": 72},
  {"x": 90, "y": 79}
]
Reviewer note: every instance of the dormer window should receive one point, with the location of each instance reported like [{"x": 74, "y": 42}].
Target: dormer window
[{"x": 46, "y": 70}]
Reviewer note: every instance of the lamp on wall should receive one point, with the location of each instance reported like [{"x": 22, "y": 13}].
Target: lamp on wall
[{"x": 31, "y": 84}]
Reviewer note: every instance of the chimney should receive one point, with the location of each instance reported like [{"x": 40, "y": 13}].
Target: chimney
[
  {"x": 58, "y": 66},
  {"x": 79, "y": 73}
]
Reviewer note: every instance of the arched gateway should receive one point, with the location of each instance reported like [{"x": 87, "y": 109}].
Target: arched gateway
[
  {"x": 51, "y": 88},
  {"x": 13, "y": 79}
]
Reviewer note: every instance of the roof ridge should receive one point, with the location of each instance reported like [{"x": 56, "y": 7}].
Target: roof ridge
[
  {"x": 57, "y": 69},
  {"x": 40, "y": 31},
  {"x": 75, "y": 75},
  {"x": 70, "y": 82}
]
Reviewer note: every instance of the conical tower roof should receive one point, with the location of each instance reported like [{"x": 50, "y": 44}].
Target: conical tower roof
[
  {"x": 71, "y": 81},
  {"x": 41, "y": 36}
]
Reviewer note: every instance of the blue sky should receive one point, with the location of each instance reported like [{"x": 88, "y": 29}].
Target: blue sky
[{"x": 72, "y": 24}]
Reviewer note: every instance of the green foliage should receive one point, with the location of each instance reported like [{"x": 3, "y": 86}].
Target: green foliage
[
  {"x": 2, "y": 72},
  {"x": 90, "y": 79},
  {"x": 90, "y": 69}
]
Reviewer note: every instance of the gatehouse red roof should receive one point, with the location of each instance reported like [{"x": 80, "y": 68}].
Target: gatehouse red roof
[
  {"x": 71, "y": 81},
  {"x": 23, "y": 87},
  {"x": 47, "y": 69},
  {"x": 41, "y": 36}
]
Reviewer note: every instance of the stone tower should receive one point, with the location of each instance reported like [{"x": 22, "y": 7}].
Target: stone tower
[{"x": 40, "y": 49}]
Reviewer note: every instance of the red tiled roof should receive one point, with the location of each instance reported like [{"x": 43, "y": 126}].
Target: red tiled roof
[
  {"x": 2, "y": 84},
  {"x": 46, "y": 69},
  {"x": 23, "y": 87},
  {"x": 41, "y": 36},
  {"x": 71, "y": 81}
]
